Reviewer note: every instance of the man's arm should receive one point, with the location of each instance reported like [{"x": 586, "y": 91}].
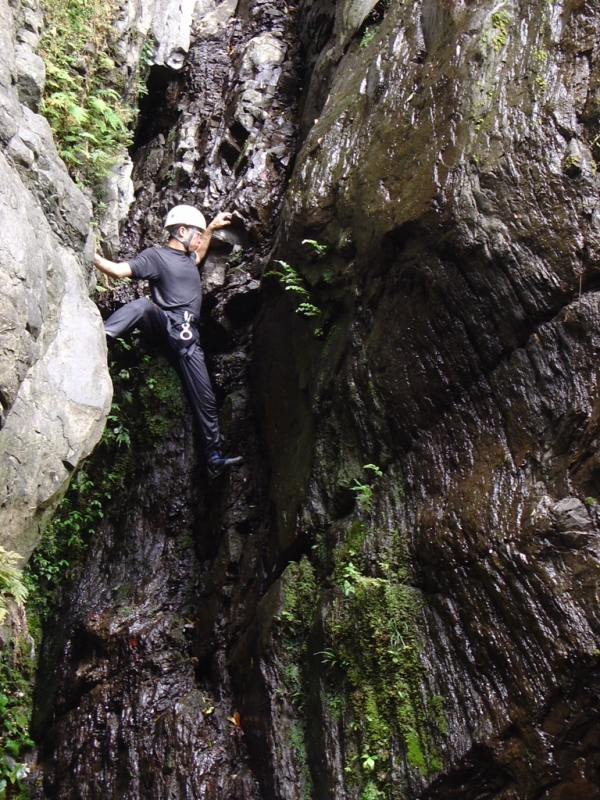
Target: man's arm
[
  {"x": 121, "y": 270},
  {"x": 222, "y": 220}
]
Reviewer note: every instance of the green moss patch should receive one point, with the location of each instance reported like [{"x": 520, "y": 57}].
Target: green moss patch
[
  {"x": 300, "y": 596},
  {"x": 373, "y": 646}
]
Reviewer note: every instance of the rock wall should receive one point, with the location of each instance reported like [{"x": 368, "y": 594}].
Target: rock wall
[
  {"x": 397, "y": 593},
  {"x": 448, "y": 166},
  {"x": 136, "y": 654},
  {"x": 54, "y": 387}
]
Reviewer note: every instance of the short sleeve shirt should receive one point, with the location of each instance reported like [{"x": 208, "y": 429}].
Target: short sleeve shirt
[{"x": 173, "y": 275}]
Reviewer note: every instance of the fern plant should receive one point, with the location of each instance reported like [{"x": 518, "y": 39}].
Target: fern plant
[
  {"x": 294, "y": 282},
  {"x": 11, "y": 580},
  {"x": 85, "y": 99}
]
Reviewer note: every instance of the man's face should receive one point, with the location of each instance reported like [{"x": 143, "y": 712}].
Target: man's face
[{"x": 196, "y": 239}]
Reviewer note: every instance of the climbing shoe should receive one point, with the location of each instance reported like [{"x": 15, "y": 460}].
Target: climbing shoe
[{"x": 215, "y": 465}]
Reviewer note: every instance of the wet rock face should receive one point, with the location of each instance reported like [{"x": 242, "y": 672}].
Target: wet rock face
[
  {"x": 129, "y": 715},
  {"x": 436, "y": 634},
  {"x": 137, "y": 656},
  {"x": 54, "y": 387},
  {"x": 450, "y": 172},
  {"x": 223, "y": 151}
]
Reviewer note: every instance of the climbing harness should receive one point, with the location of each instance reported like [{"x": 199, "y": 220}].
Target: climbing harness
[
  {"x": 186, "y": 333},
  {"x": 182, "y": 332}
]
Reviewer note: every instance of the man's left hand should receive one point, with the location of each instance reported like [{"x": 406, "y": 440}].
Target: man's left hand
[
  {"x": 200, "y": 247},
  {"x": 222, "y": 220}
]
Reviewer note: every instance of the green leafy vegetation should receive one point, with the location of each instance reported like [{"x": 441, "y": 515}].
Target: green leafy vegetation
[
  {"x": 299, "y": 603},
  {"x": 300, "y": 595},
  {"x": 308, "y": 310},
  {"x": 148, "y": 398},
  {"x": 16, "y": 678},
  {"x": 294, "y": 282},
  {"x": 16, "y": 684},
  {"x": 373, "y": 655},
  {"x": 371, "y": 680},
  {"x": 148, "y": 402},
  {"x": 320, "y": 249},
  {"x": 367, "y": 36},
  {"x": 364, "y": 491},
  {"x": 364, "y": 494},
  {"x": 291, "y": 279},
  {"x": 85, "y": 101},
  {"x": 73, "y": 526},
  {"x": 161, "y": 397},
  {"x": 11, "y": 580},
  {"x": 64, "y": 542},
  {"x": 375, "y": 18},
  {"x": 385, "y": 672},
  {"x": 371, "y": 792}
]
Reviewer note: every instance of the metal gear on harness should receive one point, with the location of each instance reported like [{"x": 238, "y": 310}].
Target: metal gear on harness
[
  {"x": 186, "y": 333},
  {"x": 182, "y": 332}
]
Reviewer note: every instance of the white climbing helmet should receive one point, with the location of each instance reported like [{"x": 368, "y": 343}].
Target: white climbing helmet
[{"x": 188, "y": 216}]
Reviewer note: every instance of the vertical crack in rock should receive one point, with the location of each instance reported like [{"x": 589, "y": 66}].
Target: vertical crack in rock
[{"x": 134, "y": 697}]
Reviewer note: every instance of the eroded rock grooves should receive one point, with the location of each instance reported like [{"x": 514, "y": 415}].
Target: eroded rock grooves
[{"x": 445, "y": 160}]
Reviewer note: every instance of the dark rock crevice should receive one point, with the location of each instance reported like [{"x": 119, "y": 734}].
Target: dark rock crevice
[{"x": 158, "y": 110}]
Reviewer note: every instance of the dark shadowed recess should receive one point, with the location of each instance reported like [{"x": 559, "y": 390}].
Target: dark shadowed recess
[{"x": 158, "y": 112}]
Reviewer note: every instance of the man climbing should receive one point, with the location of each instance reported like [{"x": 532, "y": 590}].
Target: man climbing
[{"x": 172, "y": 314}]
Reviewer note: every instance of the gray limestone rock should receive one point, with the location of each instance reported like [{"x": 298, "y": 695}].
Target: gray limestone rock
[
  {"x": 118, "y": 196},
  {"x": 350, "y": 16},
  {"x": 458, "y": 350},
  {"x": 54, "y": 386},
  {"x": 211, "y": 23},
  {"x": 31, "y": 72},
  {"x": 170, "y": 25}
]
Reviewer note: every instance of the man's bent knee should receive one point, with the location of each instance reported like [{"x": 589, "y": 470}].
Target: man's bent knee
[{"x": 129, "y": 316}]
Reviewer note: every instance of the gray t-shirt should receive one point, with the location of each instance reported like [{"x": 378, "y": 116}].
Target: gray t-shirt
[{"x": 174, "y": 278}]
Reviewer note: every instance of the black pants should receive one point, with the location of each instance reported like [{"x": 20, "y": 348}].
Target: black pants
[{"x": 155, "y": 325}]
